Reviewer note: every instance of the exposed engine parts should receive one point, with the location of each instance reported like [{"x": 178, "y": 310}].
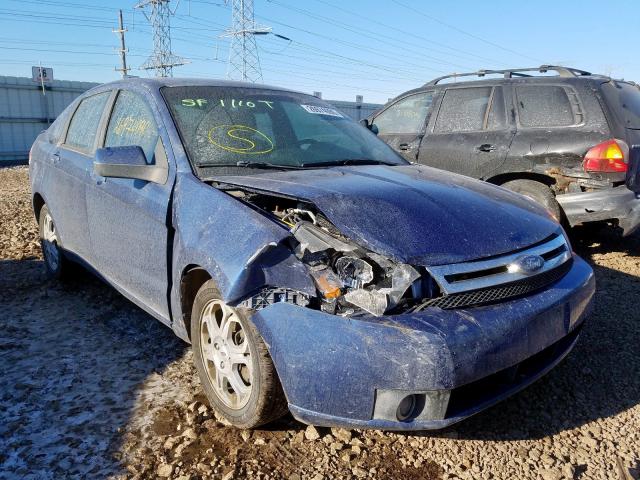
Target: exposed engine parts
[{"x": 348, "y": 278}]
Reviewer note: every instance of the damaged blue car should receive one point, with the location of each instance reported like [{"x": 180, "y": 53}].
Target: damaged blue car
[{"x": 312, "y": 269}]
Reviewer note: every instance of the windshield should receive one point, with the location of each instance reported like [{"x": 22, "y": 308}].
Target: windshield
[{"x": 262, "y": 128}]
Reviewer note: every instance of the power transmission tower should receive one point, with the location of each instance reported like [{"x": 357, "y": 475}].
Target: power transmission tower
[
  {"x": 162, "y": 60},
  {"x": 123, "y": 48},
  {"x": 244, "y": 62}
]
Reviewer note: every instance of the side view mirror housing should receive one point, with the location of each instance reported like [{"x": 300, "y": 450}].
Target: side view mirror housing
[
  {"x": 127, "y": 162},
  {"x": 633, "y": 173},
  {"x": 371, "y": 126}
]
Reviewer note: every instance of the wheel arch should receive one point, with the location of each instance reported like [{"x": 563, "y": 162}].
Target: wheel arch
[
  {"x": 502, "y": 178},
  {"x": 193, "y": 276},
  {"x": 37, "y": 202}
]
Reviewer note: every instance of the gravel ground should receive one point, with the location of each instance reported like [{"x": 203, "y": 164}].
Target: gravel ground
[{"x": 92, "y": 387}]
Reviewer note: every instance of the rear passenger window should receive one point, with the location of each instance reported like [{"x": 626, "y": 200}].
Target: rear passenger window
[
  {"x": 132, "y": 123},
  {"x": 406, "y": 116},
  {"x": 84, "y": 124},
  {"x": 544, "y": 106},
  {"x": 463, "y": 109}
]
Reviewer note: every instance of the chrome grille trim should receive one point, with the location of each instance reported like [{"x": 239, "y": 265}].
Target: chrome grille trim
[{"x": 453, "y": 279}]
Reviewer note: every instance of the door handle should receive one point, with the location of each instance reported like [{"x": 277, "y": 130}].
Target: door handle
[
  {"x": 486, "y": 147},
  {"x": 55, "y": 158},
  {"x": 404, "y": 147}
]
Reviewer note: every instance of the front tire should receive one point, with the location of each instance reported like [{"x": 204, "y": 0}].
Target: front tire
[
  {"x": 537, "y": 192},
  {"x": 234, "y": 365},
  {"x": 55, "y": 263}
]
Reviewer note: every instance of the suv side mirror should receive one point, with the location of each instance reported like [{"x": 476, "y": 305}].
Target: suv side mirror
[
  {"x": 371, "y": 126},
  {"x": 127, "y": 162},
  {"x": 633, "y": 173}
]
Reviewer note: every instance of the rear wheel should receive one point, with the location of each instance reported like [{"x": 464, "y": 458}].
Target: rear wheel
[
  {"x": 56, "y": 264},
  {"x": 234, "y": 365},
  {"x": 537, "y": 191}
]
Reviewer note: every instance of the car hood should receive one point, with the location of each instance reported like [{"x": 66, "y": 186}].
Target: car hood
[{"x": 412, "y": 214}]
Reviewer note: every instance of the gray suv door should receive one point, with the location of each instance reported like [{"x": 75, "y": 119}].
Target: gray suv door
[{"x": 470, "y": 134}]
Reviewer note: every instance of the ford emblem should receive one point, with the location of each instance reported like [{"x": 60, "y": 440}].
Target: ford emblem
[{"x": 527, "y": 264}]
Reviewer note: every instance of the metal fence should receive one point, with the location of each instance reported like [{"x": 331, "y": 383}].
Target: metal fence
[{"x": 25, "y": 111}]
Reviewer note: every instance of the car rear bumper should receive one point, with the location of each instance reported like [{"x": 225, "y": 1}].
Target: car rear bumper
[
  {"x": 349, "y": 371},
  {"x": 617, "y": 203}
]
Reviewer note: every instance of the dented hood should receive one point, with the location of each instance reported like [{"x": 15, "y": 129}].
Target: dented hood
[{"x": 412, "y": 214}]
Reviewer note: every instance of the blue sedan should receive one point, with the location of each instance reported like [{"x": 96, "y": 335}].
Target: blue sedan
[{"x": 312, "y": 269}]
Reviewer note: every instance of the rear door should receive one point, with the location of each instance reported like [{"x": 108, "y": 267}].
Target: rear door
[
  {"x": 73, "y": 162},
  {"x": 557, "y": 123},
  {"x": 402, "y": 123},
  {"x": 470, "y": 134},
  {"x": 128, "y": 218}
]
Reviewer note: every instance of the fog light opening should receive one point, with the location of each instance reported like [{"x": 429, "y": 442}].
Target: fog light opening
[{"x": 406, "y": 408}]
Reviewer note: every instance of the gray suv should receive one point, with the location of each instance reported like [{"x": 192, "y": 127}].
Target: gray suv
[{"x": 563, "y": 140}]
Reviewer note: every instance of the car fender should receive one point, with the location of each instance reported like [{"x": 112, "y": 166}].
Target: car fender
[{"x": 240, "y": 248}]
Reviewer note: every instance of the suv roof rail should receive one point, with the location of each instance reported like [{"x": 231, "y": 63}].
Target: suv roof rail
[{"x": 517, "y": 72}]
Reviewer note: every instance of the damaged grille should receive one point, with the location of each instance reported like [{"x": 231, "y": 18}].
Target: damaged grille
[{"x": 494, "y": 294}]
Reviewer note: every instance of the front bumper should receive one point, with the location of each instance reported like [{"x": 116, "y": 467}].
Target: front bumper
[
  {"x": 334, "y": 369},
  {"x": 617, "y": 203}
]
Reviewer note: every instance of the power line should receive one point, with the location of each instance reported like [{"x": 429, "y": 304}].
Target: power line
[
  {"x": 375, "y": 35},
  {"x": 464, "y": 32},
  {"x": 404, "y": 32}
]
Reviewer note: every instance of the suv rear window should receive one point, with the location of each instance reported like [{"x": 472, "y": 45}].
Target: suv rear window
[
  {"x": 624, "y": 96},
  {"x": 544, "y": 106}
]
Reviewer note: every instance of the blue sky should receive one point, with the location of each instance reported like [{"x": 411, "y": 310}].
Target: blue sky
[{"x": 375, "y": 48}]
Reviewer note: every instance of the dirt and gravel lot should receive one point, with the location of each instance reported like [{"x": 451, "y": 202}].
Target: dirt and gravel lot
[{"x": 92, "y": 387}]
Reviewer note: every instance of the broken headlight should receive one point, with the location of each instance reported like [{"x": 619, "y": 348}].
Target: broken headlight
[{"x": 349, "y": 278}]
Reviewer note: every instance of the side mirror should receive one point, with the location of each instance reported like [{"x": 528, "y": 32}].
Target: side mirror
[
  {"x": 371, "y": 126},
  {"x": 127, "y": 162},
  {"x": 633, "y": 172}
]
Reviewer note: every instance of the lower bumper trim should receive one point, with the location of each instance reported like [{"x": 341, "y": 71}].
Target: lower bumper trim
[{"x": 466, "y": 400}]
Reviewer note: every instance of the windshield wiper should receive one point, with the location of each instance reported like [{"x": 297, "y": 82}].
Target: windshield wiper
[
  {"x": 348, "y": 161},
  {"x": 245, "y": 163}
]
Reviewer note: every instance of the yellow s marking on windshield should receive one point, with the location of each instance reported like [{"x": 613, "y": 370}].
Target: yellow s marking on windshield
[{"x": 225, "y": 136}]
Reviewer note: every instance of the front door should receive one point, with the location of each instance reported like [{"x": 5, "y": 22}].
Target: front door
[
  {"x": 127, "y": 218},
  {"x": 471, "y": 133},
  {"x": 402, "y": 124}
]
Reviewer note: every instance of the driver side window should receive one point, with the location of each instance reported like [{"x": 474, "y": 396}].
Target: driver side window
[
  {"x": 406, "y": 116},
  {"x": 132, "y": 123}
]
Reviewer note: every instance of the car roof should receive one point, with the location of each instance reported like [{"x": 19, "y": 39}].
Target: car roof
[{"x": 159, "y": 82}]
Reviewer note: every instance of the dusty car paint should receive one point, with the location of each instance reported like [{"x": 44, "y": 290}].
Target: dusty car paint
[
  {"x": 198, "y": 224},
  {"x": 550, "y": 155}
]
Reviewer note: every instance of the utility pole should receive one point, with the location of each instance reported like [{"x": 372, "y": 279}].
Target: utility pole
[
  {"x": 162, "y": 60},
  {"x": 123, "y": 49},
  {"x": 244, "y": 62}
]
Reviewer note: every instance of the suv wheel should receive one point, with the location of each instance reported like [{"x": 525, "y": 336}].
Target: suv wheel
[
  {"x": 232, "y": 360},
  {"x": 538, "y": 192},
  {"x": 55, "y": 262}
]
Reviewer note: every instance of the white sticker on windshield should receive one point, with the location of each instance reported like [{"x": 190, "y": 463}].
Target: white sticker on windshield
[{"x": 322, "y": 110}]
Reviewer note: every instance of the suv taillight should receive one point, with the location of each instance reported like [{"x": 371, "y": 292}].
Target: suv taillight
[{"x": 608, "y": 156}]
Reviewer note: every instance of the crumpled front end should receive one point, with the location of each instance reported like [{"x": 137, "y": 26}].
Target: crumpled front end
[{"x": 359, "y": 371}]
